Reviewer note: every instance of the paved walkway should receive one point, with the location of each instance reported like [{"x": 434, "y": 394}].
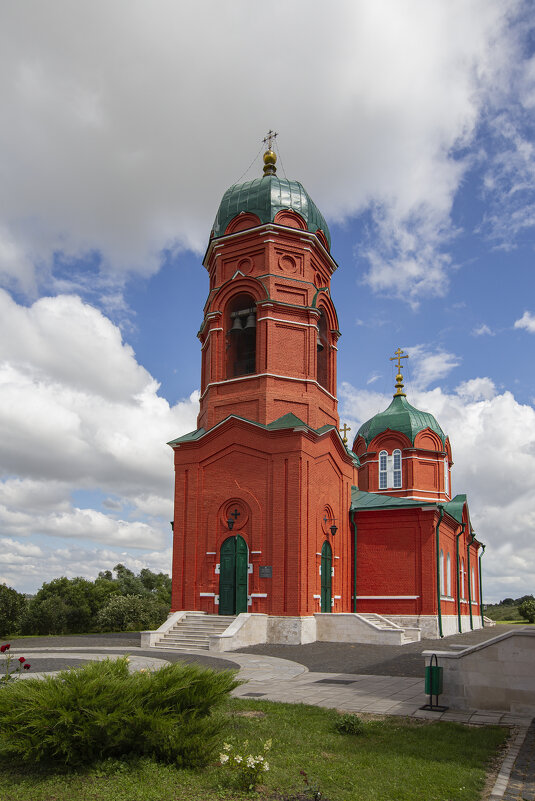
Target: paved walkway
[{"x": 276, "y": 679}]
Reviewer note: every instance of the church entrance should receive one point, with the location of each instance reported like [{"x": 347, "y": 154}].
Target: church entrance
[
  {"x": 233, "y": 576},
  {"x": 326, "y": 577}
]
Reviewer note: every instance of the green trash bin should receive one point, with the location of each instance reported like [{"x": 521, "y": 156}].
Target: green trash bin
[{"x": 433, "y": 680}]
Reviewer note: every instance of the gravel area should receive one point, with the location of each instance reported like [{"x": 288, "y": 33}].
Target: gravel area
[
  {"x": 373, "y": 660},
  {"x": 122, "y": 639}
]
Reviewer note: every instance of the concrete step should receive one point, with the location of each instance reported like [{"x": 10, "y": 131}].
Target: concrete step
[{"x": 181, "y": 646}]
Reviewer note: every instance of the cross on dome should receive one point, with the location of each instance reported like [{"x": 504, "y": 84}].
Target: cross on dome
[{"x": 399, "y": 355}]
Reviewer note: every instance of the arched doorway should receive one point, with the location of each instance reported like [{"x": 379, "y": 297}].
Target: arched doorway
[
  {"x": 233, "y": 566},
  {"x": 326, "y": 577}
]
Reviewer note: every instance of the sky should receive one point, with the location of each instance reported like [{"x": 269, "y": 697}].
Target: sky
[{"x": 410, "y": 123}]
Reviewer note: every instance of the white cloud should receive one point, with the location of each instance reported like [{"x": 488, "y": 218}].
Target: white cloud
[
  {"x": 78, "y": 412},
  {"x": 482, "y": 330},
  {"x": 527, "y": 321},
  {"x": 428, "y": 366},
  {"x": 493, "y": 443},
  {"x": 27, "y": 570},
  {"x": 126, "y": 122}
]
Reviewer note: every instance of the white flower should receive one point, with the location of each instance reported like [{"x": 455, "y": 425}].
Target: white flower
[
  {"x": 265, "y": 766},
  {"x": 227, "y": 746},
  {"x": 223, "y": 758},
  {"x": 237, "y": 758},
  {"x": 251, "y": 762}
]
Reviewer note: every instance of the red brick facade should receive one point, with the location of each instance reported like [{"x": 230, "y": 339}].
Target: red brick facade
[{"x": 267, "y": 462}]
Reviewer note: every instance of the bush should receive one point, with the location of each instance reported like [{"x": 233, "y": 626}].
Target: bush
[
  {"x": 102, "y": 711},
  {"x": 131, "y": 613},
  {"x": 527, "y": 610},
  {"x": 349, "y": 724},
  {"x": 12, "y": 608}
]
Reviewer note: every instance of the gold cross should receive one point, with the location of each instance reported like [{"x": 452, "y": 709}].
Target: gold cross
[
  {"x": 397, "y": 355},
  {"x": 344, "y": 431},
  {"x": 268, "y": 140}
]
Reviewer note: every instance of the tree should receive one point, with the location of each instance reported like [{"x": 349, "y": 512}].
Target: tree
[
  {"x": 131, "y": 613},
  {"x": 527, "y": 609},
  {"x": 13, "y": 605},
  {"x": 77, "y": 600}
]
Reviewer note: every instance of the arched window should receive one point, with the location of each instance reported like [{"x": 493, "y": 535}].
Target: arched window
[
  {"x": 448, "y": 576},
  {"x": 390, "y": 470},
  {"x": 383, "y": 473},
  {"x": 241, "y": 336},
  {"x": 397, "y": 469},
  {"x": 473, "y": 586},
  {"x": 446, "y": 477},
  {"x": 462, "y": 579},
  {"x": 323, "y": 352},
  {"x": 441, "y": 570}
]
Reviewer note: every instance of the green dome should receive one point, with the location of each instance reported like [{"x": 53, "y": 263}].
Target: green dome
[
  {"x": 400, "y": 416},
  {"x": 265, "y": 197}
]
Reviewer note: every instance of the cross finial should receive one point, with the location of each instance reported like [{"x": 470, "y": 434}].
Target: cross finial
[
  {"x": 343, "y": 431},
  {"x": 399, "y": 355},
  {"x": 270, "y": 159},
  {"x": 268, "y": 139}
]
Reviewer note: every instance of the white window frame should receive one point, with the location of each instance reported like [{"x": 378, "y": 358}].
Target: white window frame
[
  {"x": 390, "y": 476},
  {"x": 448, "y": 576},
  {"x": 383, "y": 470},
  {"x": 446, "y": 477},
  {"x": 441, "y": 570}
]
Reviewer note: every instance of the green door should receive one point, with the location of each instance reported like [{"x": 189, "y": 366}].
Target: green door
[
  {"x": 326, "y": 580},
  {"x": 233, "y": 567}
]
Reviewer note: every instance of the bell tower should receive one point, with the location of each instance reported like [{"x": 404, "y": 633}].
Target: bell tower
[
  {"x": 265, "y": 480},
  {"x": 270, "y": 328}
]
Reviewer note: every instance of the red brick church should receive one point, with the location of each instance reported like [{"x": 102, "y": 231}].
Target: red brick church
[{"x": 274, "y": 514}]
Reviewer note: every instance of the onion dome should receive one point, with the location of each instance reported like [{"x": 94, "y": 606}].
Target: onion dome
[
  {"x": 265, "y": 197},
  {"x": 400, "y": 416}
]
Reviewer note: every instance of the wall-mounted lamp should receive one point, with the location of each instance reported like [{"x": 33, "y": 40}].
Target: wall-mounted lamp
[
  {"x": 333, "y": 529},
  {"x": 232, "y": 519}
]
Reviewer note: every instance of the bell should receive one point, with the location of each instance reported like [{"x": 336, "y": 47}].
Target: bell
[
  {"x": 236, "y": 325},
  {"x": 320, "y": 343},
  {"x": 251, "y": 320}
]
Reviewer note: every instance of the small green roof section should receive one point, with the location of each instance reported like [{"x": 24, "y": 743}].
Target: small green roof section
[
  {"x": 400, "y": 416},
  {"x": 455, "y": 507},
  {"x": 265, "y": 197},
  {"x": 361, "y": 500},
  {"x": 191, "y": 437}
]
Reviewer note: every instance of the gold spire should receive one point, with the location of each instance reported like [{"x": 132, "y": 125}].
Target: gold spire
[
  {"x": 269, "y": 156},
  {"x": 343, "y": 432},
  {"x": 398, "y": 354}
]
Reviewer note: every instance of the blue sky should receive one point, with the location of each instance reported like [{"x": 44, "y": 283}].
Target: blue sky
[{"x": 411, "y": 125}]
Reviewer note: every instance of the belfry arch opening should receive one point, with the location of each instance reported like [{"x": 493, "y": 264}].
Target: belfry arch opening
[
  {"x": 323, "y": 352},
  {"x": 241, "y": 336}
]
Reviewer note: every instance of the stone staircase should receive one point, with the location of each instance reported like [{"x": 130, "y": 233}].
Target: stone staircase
[
  {"x": 384, "y": 624},
  {"x": 194, "y": 631}
]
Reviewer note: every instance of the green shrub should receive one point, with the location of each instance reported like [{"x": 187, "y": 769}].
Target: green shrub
[
  {"x": 349, "y": 724},
  {"x": 131, "y": 613},
  {"x": 102, "y": 711},
  {"x": 527, "y": 610}
]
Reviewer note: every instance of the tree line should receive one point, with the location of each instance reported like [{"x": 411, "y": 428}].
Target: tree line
[{"x": 114, "y": 601}]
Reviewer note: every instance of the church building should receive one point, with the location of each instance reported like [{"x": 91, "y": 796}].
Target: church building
[{"x": 277, "y": 520}]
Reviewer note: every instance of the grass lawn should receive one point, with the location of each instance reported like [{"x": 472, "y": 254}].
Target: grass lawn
[{"x": 396, "y": 759}]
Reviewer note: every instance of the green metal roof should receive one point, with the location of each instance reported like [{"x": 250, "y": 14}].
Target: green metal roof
[
  {"x": 265, "y": 197},
  {"x": 287, "y": 421},
  {"x": 361, "y": 500},
  {"x": 455, "y": 507},
  {"x": 400, "y": 416}
]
